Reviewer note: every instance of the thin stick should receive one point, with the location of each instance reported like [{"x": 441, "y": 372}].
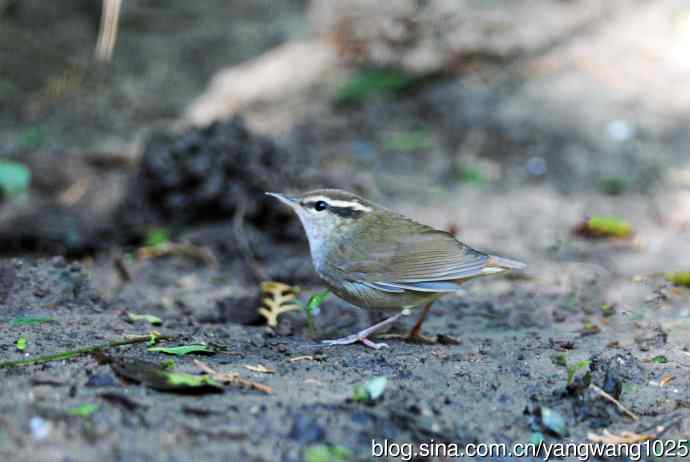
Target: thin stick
[
  {"x": 605, "y": 395},
  {"x": 79, "y": 352},
  {"x": 232, "y": 378},
  {"x": 107, "y": 34},
  {"x": 243, "y": 244}
]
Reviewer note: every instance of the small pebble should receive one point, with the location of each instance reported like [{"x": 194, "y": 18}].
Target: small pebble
[
  {"x": 101, "y": 380},
  {"x": 620, "y": 130},
  {"x": 40, "y": 428},
  {"x": 536, "y": 166}
]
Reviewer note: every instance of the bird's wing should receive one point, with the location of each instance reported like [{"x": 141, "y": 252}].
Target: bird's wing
[{"x": 422, "y": 259}]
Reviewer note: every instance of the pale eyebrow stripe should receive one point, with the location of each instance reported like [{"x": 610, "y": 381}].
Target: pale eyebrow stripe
[{"x": 338, "y": 203}]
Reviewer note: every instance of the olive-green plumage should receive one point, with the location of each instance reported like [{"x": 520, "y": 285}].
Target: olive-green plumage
[{"x": 378, "y": 259}]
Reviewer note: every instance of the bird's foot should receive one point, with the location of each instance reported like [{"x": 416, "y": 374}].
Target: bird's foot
[
  {"x": 362, "y": 336},
  {"x": 350, "y": 339}
]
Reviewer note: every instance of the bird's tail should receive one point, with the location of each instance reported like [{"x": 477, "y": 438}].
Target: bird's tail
[{"x": 500, "y": 264}]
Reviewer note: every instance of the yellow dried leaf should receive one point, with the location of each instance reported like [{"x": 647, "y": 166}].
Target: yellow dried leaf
[
  {"x": 622, "y": 438},
  {"x": 278, "y": 298},
  {"x": 259, "y": 368}
]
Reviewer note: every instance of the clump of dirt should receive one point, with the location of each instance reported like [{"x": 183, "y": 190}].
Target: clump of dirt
[
  {"x": 207, "y": 181},
  {"x": 214, "y": 174}
]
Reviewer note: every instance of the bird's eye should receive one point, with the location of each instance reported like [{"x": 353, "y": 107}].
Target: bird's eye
[{"x": 320, "y": 205}]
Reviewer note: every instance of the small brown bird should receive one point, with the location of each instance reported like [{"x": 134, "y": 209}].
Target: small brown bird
[{"x": 377, "y": 259}]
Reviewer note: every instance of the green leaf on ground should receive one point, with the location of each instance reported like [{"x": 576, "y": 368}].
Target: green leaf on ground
[
  {"x": 604, "y": 227},
  {"x": 589, "y": 328},
  {"x": 182, "y": 379},
  {"x": 82, "y": 410},
  {"x": 326, "y": 453},
  {"x": 408, "y": 141},
  {"x": 572, "y": 370},
  {"x": 21, "y": 343},
  {"x": 183, "y": 349},
  {"x": 559, "y": 359},
  {"x": 660, "y": 359},
  {"x": 608, "y": 226},
  {"x": 14, "y": 178},
  {"x": 312, "y": 304},
  {"x": 371, "y": 390},
  {"x": 154, "y": 376},
  {"x": 472, "y": 175},
  {"x": 156, "y": 236},
  {"x": 28, "y": 320},
  {"x": 366, "y": 83},
  {"x": 679, "y": 278},
  {"x": 317, "y": 299},
  {"x": 608, "y": 310},
  {"x": 151, "y": 319},
  {"x": 153, "y": 338}
]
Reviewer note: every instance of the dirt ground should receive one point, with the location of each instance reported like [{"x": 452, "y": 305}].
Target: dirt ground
[{"x": 517, "y": 155}]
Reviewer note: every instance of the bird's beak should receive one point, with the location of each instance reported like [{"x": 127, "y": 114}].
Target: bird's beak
[{"x": 291, "y": 201}]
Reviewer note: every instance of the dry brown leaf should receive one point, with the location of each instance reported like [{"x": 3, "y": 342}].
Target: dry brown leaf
[
  {"x": 622, "y": 438},
  {"x": 666, "y": 379},
  {"x": 277, "y": 298},
  {"x": 259, "y": 368},
  {"x": 232, "y": 378}
]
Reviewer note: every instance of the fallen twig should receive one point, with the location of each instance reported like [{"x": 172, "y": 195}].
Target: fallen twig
[
  {"x": 259, "y": 368},
  {"x": 243, "y": 244},
  {"x": 122, "y": 270},
  {"x": 665, "y": 379},
  {"x": 107, "y": 34},
  {"x": 605, "y": 395},
  {"x": 79, "y": 352},
  {"x": 231, "y": 378},
  {"x": 624, "y": 437}
]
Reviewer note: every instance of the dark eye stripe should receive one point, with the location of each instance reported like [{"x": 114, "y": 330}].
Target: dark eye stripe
[
  {"x": 346, "y": 212},
  {"x": 343, "y": 212}
]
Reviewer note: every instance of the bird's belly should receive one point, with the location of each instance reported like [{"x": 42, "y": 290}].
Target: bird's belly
[{"x": 366, "y": 297}]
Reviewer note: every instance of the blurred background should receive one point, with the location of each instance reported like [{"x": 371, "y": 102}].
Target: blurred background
[{"x": 578, "y": 107}]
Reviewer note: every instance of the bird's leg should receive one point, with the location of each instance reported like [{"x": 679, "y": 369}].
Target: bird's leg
[
  {"x": 418, "y": 325},
  {"x": 361, "y": 336}
]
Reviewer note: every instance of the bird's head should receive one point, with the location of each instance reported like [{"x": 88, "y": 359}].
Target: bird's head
[{"x": 324, "y": 212}]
